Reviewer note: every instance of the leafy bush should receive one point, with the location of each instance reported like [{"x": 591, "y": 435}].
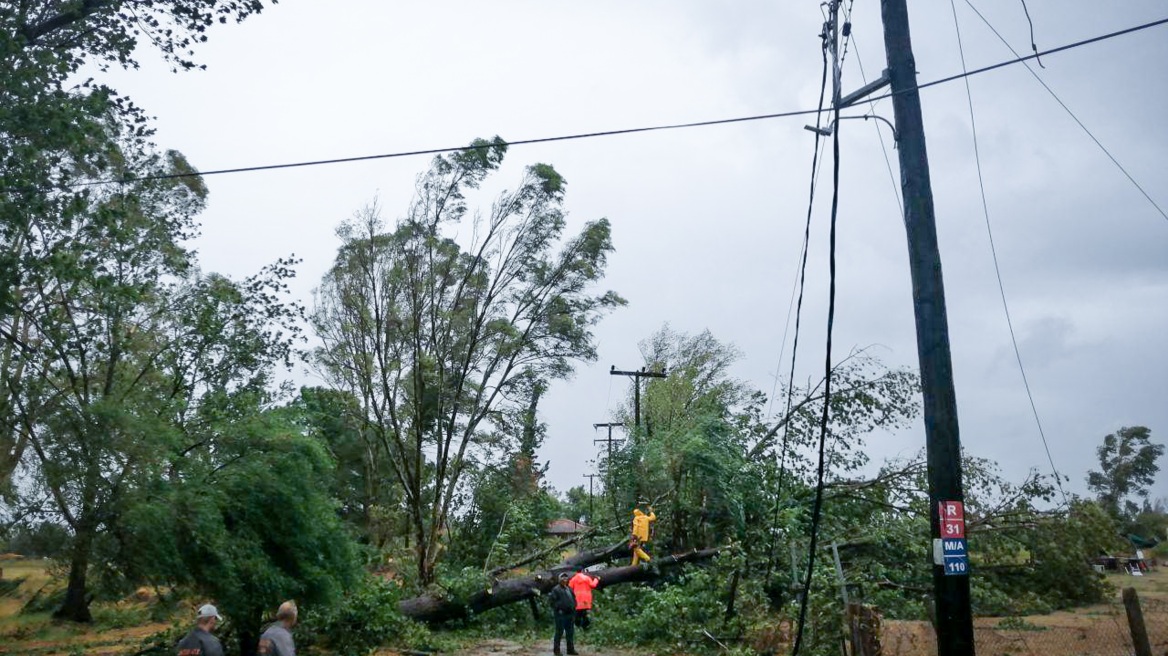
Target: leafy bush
[
  {"x": 672, "y": 616},
  {"x": 119, "y": 616},
  {"x": 365, "y": 619},
  {"x": 1015, "y": 623}
]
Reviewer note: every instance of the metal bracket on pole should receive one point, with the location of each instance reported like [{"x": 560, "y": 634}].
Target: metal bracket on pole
[{"x": 865, "y": 91}]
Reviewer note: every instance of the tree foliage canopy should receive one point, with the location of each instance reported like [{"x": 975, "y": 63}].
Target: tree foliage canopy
[
  {"x": 1127, "y": 466},
  {"x": 433, "y": 335}
]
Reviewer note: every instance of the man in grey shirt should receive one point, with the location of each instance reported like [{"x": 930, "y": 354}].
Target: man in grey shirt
[
  {"x": 277, "y": 638},
  {"x": 200, "y": 642}
]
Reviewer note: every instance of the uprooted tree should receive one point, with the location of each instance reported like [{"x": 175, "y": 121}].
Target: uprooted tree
[{"x": 440, "y": 608}]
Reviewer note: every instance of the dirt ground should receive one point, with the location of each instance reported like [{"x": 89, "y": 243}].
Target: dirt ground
[{"x": 1100, "y": 630}]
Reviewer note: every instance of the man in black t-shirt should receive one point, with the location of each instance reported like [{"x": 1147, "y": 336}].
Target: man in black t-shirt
[
  {"x": 200, "y": 642},
  {"x": 563, "y": 602}
]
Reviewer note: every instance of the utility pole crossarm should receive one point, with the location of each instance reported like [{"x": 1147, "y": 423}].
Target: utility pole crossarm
[
  {"x": 865, "y": 91},
  {"x": 637, "y": 376}
]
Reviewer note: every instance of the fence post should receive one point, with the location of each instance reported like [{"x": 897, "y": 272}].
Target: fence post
[
  {"x": 1135, "y": 622},
  {"x": 864, "y": 628}
]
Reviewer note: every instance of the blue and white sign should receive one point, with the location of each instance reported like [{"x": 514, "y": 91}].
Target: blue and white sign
[{"x": 956, "y": 557}]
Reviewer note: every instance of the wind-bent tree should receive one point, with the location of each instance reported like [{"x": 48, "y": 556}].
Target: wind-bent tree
[
  {"x": 57, "y": 135},
  {"x": 1127, "y": 467},
  {"x": 431, "y": 334},
  {"x": 128, "y": 352}
]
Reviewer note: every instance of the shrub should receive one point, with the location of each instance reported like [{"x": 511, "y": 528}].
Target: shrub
[{"x": 365, "y": 619}]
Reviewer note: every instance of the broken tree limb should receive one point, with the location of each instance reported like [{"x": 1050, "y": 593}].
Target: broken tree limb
[
  {"x": 582, "y": 559},
  {"x": 531, "y": 558},
  {"x": 432, "y": 608}
]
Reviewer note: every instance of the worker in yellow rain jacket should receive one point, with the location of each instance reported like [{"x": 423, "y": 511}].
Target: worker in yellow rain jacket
[{"x": 641, "y": 523}]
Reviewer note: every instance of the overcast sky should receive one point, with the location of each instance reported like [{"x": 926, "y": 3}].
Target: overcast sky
[{"x": 707, "y": 222}]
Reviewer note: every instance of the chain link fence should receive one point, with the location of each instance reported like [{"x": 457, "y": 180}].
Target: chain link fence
[{"x": 1097, "y": 631}]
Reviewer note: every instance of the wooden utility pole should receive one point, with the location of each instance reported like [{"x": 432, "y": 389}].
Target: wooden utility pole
[
  {"x": 590, "y": 477},
  {"x": 608, "y": 487},
  {"x": 943, "y": 445},
  {"x": 637, "y": 376}
]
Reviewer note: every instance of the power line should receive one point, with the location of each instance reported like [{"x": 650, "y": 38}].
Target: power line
[
  {"x": 787, "y": 321},
  {"x": 817, "y": 507},
  {"x": 799, "y": 306},
  {"x": 590, "y": 135},
  {"x": 1068, "y": 109},
  {"x": 1022, "y": 59},
  {"x": 994, "y": 252},
  {"x": 879, "y": 134},
  {"x": 1033, "y": 45}
]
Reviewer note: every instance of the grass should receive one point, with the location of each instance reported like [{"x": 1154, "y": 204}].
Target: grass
[
  {"x": 116, "y": 626},
  {"x": 1153, "y": 585}
]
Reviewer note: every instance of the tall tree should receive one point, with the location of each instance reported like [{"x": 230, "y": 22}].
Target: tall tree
[
  {"x": 59, "y": 133},
  {"x": 1127, "y": 467},
  {"x": 433, "y": 334},
  {"x": 129, "y": 350}
]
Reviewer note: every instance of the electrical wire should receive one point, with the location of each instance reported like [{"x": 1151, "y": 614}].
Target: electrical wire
[
  {"x": 1068, "y": 109},
  {"x": 799, "y": 306},
  {"x": 787, "y": 321},
  {"x": 997, "y": 269},
  {"x": 879, "y": 134},
  {"x": 1033, "y": 45},
  {"x": 817, "y": 508},
  {"x": 587, "y": 135}
]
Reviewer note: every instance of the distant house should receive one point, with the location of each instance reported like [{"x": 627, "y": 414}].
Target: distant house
[{"x": 565, "y": 527}]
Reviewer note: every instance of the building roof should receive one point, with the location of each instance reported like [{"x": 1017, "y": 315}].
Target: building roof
[{"x": 565, "y": 527}]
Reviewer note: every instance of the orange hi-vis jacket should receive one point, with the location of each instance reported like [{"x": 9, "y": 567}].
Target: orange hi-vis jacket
[
  {"x": 582, "y": 585},
  {"x": 641, "y": 524}
]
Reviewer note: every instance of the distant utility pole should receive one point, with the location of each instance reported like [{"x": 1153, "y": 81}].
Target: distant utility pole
[
  {"x": 590, "y": 477},
  {"x": 608, "y": 487},
  {"x": 637, "y": 376},
  {"x": 942, "y": 441},
  {"x": 609, "y": 438}
]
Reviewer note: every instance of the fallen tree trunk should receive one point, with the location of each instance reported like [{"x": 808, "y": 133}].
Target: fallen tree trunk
[{"x": 432, "y": 608}]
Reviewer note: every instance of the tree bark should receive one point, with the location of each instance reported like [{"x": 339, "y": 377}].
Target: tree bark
[
  {"x": 75, "y": 607},
  {"x": 431, "y": 608}
]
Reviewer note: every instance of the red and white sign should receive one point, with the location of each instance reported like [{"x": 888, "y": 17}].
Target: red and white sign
[{"x": 952, "y": 519}]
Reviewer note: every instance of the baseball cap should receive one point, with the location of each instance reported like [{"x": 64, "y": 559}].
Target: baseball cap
[{"x": 207, "y": 610}]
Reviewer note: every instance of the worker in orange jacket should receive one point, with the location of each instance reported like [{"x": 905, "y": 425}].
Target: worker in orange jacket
[
  {"x": 641, "y": 523},
  {"x": 582, "y": 585}
]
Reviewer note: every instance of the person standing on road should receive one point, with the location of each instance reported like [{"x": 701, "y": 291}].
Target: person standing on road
[
  {"x": 200, "y": 642},
  {"x": 277, "y": 638},
  {"x": 564, "y": 608},
  {"x": 582, "y": 585}
]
